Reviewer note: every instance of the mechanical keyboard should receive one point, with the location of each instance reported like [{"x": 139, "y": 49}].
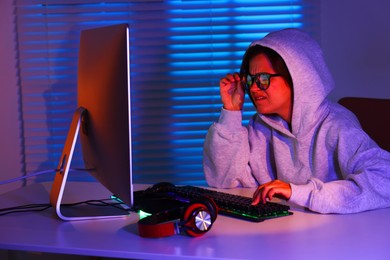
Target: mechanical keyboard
[{"x": 228, "y": 204}]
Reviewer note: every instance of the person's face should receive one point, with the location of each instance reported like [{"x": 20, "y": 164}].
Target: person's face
[{"x": 277, "y": 99}]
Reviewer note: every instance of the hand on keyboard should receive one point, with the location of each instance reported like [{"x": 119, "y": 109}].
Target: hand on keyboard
[{"x": 267, "y": 191}]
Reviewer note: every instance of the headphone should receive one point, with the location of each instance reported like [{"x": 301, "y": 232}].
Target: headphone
[{"x": 194, "y": 219}]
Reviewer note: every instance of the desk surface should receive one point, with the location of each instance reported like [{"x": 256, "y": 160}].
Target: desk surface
[{"x": 304, "y": 235}]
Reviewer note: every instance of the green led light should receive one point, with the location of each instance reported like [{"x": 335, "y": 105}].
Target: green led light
[
  {"x": 143, "y": 214},
  {"x": 113, "y": 197},
  {"x": 246, "y": 215}
]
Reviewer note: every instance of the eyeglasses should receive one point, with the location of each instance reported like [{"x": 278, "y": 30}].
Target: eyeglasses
[{"x": 262, "y": 80}]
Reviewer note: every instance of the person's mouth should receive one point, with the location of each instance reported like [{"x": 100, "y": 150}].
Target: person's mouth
[{"x": 259, "y": 97}]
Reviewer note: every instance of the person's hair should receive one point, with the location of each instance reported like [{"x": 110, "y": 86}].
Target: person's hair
[{"x": 276, "y": 60}]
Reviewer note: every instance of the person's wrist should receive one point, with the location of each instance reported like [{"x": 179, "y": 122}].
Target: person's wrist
[{"x": 232, "y": 108}]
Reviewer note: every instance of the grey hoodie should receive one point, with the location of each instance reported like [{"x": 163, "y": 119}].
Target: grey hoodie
[{"x": 332, "y": 165}]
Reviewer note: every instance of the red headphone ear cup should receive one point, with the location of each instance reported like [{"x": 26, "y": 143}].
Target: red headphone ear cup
[
  {"x": 210, "y": 204},
  {"x": 197, "y": 219}
]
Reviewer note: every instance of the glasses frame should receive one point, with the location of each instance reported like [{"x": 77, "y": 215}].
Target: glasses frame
[{"x": 256, "y": 79}]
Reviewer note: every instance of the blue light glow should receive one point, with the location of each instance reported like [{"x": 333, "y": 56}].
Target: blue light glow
[
  {"x": 192, "y": 11},
  {"x": 204, "y": 55},
  {"x": 188, "y": 142},
  {"x": 199, "y": 46},
  {"x": 201, "y": 36},
  {"x": 270, "y": 27},
  {"x": 270, "y": 9},
  {"x": 200, "y": 73},
  {"x": 203, "y": 28},
  {"x": 267, "y": 18},
  {"x": 192, "y": 107},
  {"x": 192, "y": 125},
  {"x": 195, "y": 64},
  {"x": 199, "y": 20},
  {"x": 193, "y": 90}
]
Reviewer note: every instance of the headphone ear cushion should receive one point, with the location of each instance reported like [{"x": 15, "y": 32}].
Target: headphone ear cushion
[{"x": 210, "y": 204}]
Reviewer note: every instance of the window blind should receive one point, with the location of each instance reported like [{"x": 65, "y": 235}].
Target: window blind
[{"x": 179, "y": 51}]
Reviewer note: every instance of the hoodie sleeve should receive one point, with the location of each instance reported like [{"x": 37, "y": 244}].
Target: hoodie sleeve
[
  {"x": 226, "y": 153},
  {"x": 366, "y": 179}
]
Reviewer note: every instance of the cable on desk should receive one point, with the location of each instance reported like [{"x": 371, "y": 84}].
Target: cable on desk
[
  {"x": 26, "y": 176},
  {"x": 101, "y": 203},
  {"x": 24, "y": 208},
  {"x": 39, "y": 173},
  {"x": 42, "y": 207}
]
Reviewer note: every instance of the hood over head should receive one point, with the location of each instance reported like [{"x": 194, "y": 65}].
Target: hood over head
[{"x": 312, "y": 81}]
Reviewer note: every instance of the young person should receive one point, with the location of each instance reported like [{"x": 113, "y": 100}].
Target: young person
[{"x": 299, "y": 146}]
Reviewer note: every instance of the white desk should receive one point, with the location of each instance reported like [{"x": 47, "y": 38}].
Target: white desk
[{"x": 303, "y": 235}]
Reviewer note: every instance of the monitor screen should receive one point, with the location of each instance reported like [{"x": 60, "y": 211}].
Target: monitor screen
[{"x": 102, "y": 120}]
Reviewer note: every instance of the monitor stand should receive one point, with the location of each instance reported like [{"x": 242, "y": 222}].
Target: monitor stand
[{"x": 80, "y": 212}]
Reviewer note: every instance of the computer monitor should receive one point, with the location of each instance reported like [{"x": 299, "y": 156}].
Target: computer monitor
[{"x": 102, "y": 120}]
